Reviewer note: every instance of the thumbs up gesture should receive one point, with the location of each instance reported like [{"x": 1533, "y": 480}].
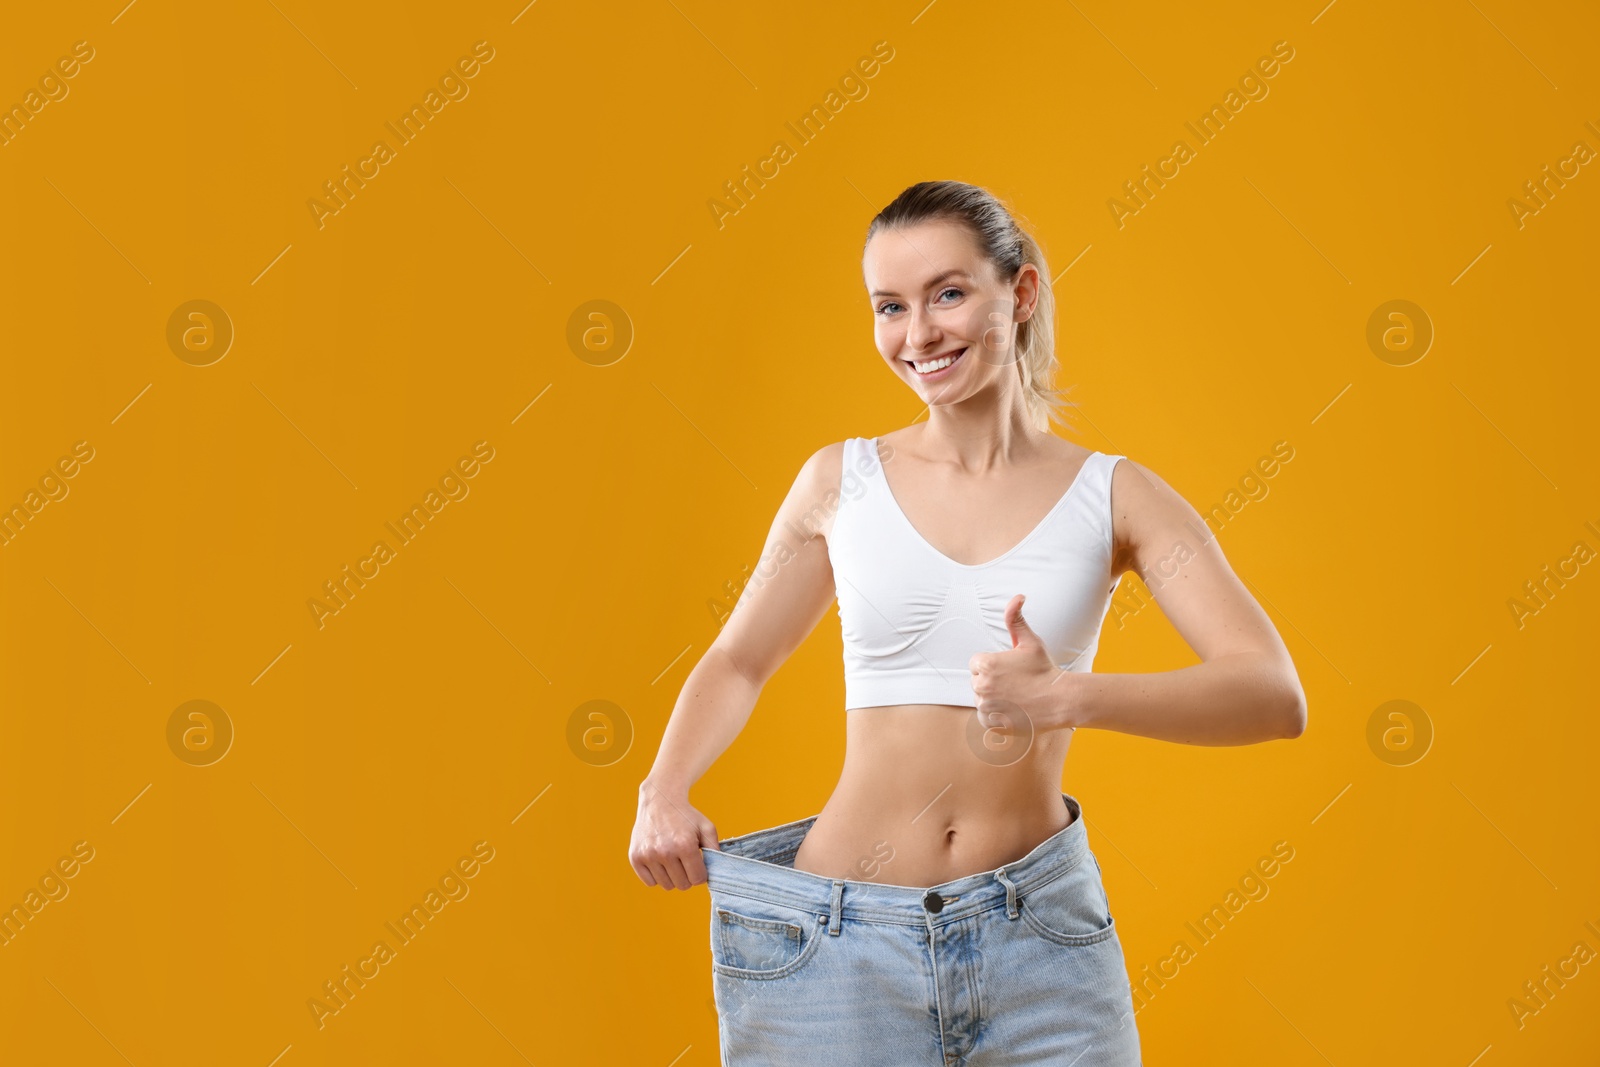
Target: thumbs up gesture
[{"x": 1019, "y": 682}]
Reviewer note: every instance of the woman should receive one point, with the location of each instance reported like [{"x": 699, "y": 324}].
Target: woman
[{"x": 945, "y": 907}]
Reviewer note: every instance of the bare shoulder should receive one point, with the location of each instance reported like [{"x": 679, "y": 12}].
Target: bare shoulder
[
  {"x": 821, "y": 471},
  {"x": 814, "y": 497},
  {"x": 1067, "y": 453},
  {"x": 1148, "y": 517},
  {"x": 829, "y": 459},
  {"x": 906, "y": 440}
]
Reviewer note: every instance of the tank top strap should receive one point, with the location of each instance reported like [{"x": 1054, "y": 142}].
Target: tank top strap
[
  {"x": 867, "y": 462},
  {"x": 860, "y": 481},
  {"x": 857, "y": 473},
  {"x": 1103, "y": 476}
]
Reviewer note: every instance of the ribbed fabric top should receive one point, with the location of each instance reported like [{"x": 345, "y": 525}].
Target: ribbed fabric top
[{"x": 912, "y": 617}]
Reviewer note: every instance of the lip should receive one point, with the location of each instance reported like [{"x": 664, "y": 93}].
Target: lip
[{"x": 939, "y": 374}]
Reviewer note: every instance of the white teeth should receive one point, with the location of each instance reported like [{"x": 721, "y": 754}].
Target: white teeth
[{"x": 935, "y": 364}]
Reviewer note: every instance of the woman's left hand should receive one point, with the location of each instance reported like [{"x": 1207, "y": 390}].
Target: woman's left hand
[{"x": 1020, "y": 683}]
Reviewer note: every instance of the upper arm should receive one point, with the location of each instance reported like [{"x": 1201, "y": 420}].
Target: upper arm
[
  {"x": 1162, "y": 538},
  {"x": 792, "y": 584}
]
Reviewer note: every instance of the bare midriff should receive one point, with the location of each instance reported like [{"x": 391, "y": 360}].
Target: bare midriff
[{"x": 918, "y": 804}]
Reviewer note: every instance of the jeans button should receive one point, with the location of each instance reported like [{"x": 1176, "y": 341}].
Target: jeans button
[{"x": 933, "y": 902}]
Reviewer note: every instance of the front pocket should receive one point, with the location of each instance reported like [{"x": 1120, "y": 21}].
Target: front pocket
[
  {"x": 752, "y": 946},
  {"x": 1070, "y": 909}
]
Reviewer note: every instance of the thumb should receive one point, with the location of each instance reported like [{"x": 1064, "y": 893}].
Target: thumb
[{"x": 1021, "y": 633}]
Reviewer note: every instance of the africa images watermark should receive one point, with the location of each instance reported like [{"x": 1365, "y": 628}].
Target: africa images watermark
[
  {"x": 339, "y": 991},
  {"x": 1253, "y": 84},
  {"x": 54, "y": 487},
  {"x": 454, "y": 487},
  {"x": 1537, "y": 593},
  {"x": 812, "y": 123},
  {"x": 411, "y": 124},
  {"x": 1252, "y": 887},
  {"x": 52, "y": 88},
  {"x": 851, "y": 486},
  {"x": 52, "y": 886},
  {"x": 1538, "y": 192},
  {"x": 1537, "y": 995},
  {"x": 1253, "y": 488}
]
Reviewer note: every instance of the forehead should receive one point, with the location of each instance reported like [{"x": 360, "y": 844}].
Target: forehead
[{"x": 903, "y": 260}]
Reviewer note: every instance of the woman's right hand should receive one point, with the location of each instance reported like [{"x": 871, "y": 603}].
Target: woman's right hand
[{"x": 667, "y": 837}]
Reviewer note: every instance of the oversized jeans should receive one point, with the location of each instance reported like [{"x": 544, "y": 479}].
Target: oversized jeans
[{"x": 1017, "y": 965}]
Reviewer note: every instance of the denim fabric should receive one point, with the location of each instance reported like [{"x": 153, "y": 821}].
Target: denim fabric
[{"x": 1018, "y": 965}]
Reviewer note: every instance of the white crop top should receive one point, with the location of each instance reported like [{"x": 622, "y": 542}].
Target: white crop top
[{"x": 912, "y": 617}]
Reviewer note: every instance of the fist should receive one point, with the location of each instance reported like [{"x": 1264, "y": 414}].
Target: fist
[{"x": 1021, "y": 680}]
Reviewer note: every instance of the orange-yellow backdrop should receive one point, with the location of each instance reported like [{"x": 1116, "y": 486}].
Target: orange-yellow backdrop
[{"x": 377, "y": 339}]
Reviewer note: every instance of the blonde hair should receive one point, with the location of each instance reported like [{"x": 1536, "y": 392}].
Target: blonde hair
[{"x": 1007, "y": 246}]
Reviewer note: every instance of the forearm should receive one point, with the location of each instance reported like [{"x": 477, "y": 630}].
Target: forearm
[
  {"x": 713, "y": 707},
  {"x": 1239, "y": 699}
]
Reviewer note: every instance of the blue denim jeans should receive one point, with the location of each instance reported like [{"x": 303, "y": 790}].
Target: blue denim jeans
[{"x": 1017, "y": 965}]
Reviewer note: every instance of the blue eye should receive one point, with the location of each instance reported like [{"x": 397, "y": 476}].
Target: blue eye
[{"x": 891, "y": 303}]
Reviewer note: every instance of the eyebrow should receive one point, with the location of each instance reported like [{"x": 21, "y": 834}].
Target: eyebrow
[{"x": 930, "y": 283}]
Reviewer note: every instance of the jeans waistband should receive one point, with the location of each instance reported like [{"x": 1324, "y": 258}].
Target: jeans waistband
[{"x": 761, "y": 865}]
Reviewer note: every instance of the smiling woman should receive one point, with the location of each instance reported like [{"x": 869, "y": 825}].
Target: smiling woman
[
  {"x": 945, "y": 905},
  {"x": 969, "y": 307}
]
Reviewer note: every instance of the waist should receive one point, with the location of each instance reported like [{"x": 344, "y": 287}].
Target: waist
[
  {"x": 762, "y": 865},
  {"x": 928, "y": 794}
]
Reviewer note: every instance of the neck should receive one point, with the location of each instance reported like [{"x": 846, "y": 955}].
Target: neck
[{"x": 981, "y": 431}]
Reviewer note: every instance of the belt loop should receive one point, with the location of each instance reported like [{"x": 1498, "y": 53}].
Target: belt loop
[
  {"x": 836, "y": 909},
  {"x": 1011, "y": 893}
]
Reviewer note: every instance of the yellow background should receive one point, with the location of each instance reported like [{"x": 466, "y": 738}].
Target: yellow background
[{"x": 429, "y": 313}]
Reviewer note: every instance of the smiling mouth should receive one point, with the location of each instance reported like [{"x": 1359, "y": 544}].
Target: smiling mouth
[{"x": 938, "y": 363}]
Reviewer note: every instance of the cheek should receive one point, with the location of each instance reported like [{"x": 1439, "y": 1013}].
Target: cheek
[{"x": 988, "y": 324}]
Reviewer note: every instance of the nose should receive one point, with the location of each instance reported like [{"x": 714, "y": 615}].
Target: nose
[{"x": 922, "y": 332}]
